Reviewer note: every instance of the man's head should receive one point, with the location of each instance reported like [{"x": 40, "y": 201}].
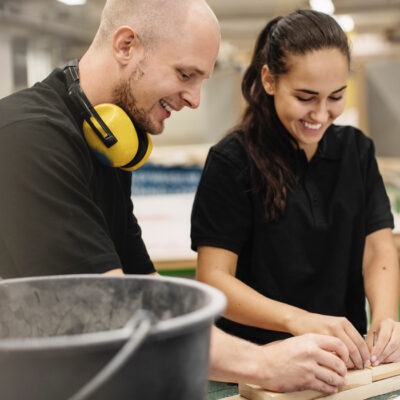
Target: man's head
[{"x": 151, "y": 57}]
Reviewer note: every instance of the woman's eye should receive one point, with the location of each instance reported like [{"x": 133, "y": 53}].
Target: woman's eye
[
  {"x": 304, "y": 99},
  {"x": 336, "y": 98}
]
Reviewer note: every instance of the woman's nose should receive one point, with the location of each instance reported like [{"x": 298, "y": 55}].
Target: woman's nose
[{"x": 320, "y": 113}]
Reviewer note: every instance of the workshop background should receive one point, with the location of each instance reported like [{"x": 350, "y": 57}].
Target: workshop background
[{"x": 37, "y": 35}]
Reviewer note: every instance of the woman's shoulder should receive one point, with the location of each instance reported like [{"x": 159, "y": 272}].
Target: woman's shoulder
[
  {"x": 229, "y": 157},
  {"x": 347, "y": 136},
  {"x": 348, "y": 133},
  {"x": 231, "y": 148}
]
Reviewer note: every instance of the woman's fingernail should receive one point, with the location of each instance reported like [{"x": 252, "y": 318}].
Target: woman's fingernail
[
  {"x": 375, "y": 364},
  {"x": 373, "y": 359}
]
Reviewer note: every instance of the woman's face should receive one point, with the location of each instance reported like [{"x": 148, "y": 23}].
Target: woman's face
[{"x": 310, "y": 96}]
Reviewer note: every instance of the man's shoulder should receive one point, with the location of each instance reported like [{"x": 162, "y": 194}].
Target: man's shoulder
[
  {"x": 28, "y": 104},
  {"x": 43, "y": 100},
  {"x": 35, "y": 112}
]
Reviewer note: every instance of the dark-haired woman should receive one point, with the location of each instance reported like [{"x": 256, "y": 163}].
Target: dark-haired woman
[{"x": 291, "y": 219}]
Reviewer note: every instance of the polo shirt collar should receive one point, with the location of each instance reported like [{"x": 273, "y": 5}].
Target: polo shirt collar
[{"x": 329, "y": 146}]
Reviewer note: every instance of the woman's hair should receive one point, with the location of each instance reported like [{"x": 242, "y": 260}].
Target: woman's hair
[{"x": 270, "y": 147}]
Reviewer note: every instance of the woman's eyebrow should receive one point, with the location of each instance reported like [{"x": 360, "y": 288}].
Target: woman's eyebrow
[{"x": 312, "y": 92}]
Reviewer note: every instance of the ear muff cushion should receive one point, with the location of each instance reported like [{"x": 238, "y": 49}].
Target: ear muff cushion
[
  {"x": 116, "y": 119},
  {"x": 138, "y": 163}
]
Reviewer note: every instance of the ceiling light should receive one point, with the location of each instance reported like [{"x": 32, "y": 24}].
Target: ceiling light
[
  {"x": 325, "y": 6},
  {"x": 73, "y": 2}
]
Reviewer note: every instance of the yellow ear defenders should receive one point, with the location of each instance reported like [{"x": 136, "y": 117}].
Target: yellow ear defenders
[{"x": 107, "y": 128}]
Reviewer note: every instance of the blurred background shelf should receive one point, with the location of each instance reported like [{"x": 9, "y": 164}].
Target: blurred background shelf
[{"x": 163, "y": 195}]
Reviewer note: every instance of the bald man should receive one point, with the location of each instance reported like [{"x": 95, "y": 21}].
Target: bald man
[{"x": 65, "y": 209}]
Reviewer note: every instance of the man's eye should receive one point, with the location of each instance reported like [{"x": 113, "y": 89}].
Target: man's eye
[{"x": 184, "y": 76}]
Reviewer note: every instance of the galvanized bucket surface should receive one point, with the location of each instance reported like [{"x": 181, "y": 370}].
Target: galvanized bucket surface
[{"x": 57, "y": 334}]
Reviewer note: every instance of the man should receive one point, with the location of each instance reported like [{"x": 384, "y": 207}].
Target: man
[{"x": 64, "y": 211}]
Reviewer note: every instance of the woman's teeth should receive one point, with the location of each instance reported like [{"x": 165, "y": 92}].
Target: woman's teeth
[
  {"x": 166, "y": 106},
  {"x": 312, "y": 126}
]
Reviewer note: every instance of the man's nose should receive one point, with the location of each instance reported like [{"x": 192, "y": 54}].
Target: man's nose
[{"x": 191, "y": 97}]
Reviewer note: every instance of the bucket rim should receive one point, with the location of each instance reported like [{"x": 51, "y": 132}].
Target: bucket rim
[{"x": 161, "y": 329}]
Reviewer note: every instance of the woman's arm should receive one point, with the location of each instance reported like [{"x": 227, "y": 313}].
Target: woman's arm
[
  {"x": 381, "y": 282},
  {"x": 217, "y": 267}
]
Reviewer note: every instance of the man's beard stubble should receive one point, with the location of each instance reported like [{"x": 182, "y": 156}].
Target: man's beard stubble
[{"x": 124, "y": 98}]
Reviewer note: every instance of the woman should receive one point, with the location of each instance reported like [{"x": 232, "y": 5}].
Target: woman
[{"x": 291, "y": 219}]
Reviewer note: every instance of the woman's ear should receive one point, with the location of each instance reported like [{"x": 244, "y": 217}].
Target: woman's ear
[
  {"x": 126, "y": 45},
  {"x": 268, "y": 80}
]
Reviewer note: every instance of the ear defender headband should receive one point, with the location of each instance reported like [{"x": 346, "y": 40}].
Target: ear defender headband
[{"x": 107, "y": 128}]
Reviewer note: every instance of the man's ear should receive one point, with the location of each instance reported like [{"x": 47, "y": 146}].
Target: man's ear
[
  {"x": 268, "y": 80},
  {"x": 126, "y": 44}
]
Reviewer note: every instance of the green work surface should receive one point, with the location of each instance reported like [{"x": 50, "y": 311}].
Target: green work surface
[
  {"x": 385, "y": 396},
  {"x": 182, "y": 272},
  {"x": 220, "y": 390}
]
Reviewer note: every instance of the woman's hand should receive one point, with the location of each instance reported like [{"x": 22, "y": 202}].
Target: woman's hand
[
  {"x": 339, "y": 327},
  {"x": 386, "y": 348}
]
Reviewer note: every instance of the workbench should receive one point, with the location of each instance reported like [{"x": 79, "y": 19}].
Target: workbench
[
  {"x": 379, "y": 382},
  {"x": 227, "y": 395},
  {"x": 380, "y": 397}
]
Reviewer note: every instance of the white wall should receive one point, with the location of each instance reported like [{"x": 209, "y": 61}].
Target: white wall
[
  {"x": 6, "y": 68},
  {"x": 383, "y": 105},
  {"x": 39, "y": 61},
  {"x": 219, "y": 110}
]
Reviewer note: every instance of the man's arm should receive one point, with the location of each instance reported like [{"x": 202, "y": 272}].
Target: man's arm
[
  {"x": 115, "y": 271},
  {"x": 118, "y": 271},
  {"x": 305, "y": 362}
]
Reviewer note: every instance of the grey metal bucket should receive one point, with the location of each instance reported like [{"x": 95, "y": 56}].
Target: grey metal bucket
[{"x": 60, "y": 334}]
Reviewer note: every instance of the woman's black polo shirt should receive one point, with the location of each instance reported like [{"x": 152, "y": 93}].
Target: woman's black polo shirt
[{"x": 312, "y": 257}]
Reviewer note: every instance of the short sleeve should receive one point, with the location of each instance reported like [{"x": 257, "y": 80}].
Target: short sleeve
[
  {"x": 378, "y": 208},
  {"x": 221, "y": 212}
]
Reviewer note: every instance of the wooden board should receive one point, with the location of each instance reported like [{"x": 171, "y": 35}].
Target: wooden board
[
  {"x": 353, "y": 379},
  {"x": 385, "y": 371},
  {"x": 236, "y": 397},
  {"x": 364, "y": 392},
  {"x": 252, "y": 392},
  {"x": 360, "y": 384}
]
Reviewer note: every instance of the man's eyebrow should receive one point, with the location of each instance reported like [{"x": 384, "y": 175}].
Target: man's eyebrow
[
  {"x": 199, "y": 71},
  {"x": 194, "y": 69},
  {"x": 312, "y": 92}
]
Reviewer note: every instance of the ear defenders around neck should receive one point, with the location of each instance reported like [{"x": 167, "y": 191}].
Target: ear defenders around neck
[{"x": 107, "y": 128}]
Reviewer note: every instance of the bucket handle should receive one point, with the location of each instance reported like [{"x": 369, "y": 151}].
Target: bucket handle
[{"x": 139, "y": 326}]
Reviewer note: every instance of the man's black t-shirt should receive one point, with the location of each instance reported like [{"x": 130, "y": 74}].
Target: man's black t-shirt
[{"x": 61, "y": 211}]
